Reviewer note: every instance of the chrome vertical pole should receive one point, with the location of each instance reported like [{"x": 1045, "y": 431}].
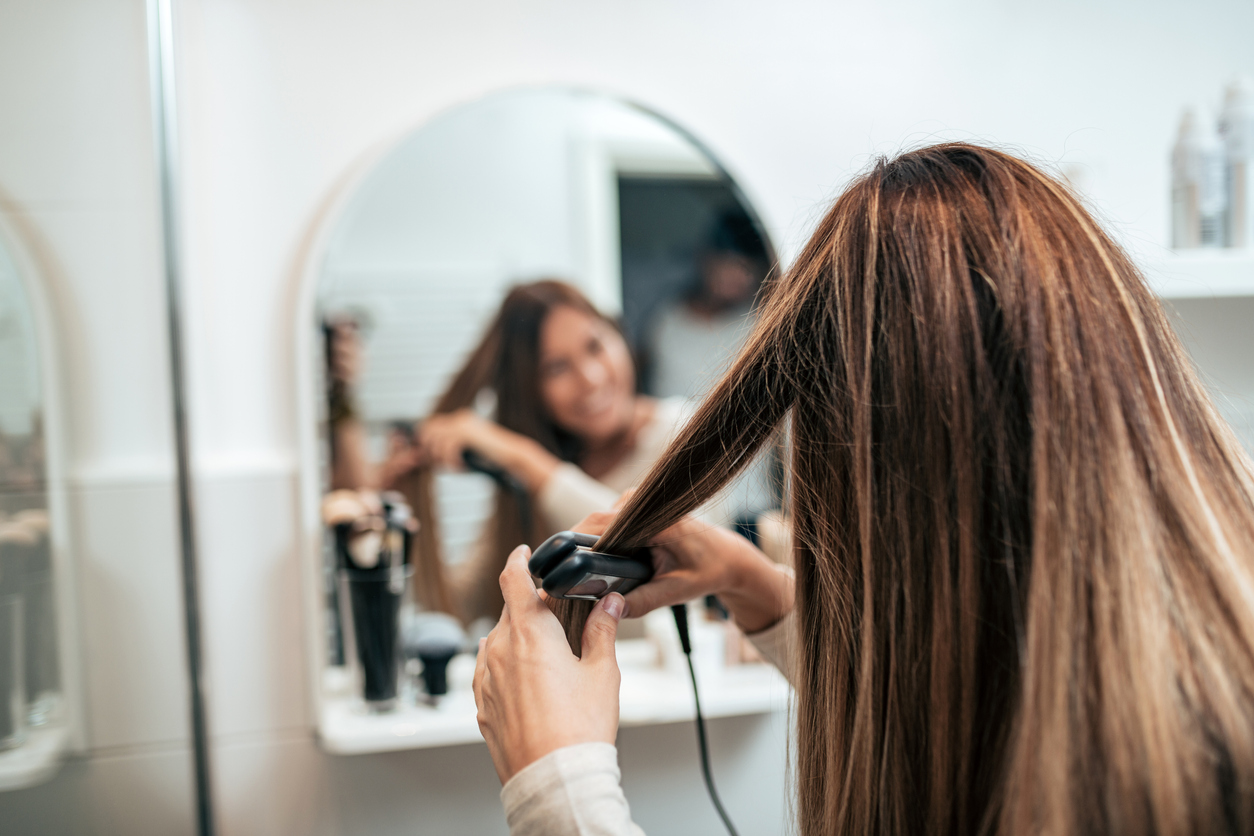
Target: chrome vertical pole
[{"x": 163, "y": 94}]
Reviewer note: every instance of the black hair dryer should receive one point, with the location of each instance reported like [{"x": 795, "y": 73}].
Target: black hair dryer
[{"x": 373, "y": 558}]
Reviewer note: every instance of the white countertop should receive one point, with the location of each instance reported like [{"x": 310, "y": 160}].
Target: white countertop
[
  {"x": 35, "y": 760},
  {"x": 651, "y": 693},
  {"x": 1195, "y": 274}
]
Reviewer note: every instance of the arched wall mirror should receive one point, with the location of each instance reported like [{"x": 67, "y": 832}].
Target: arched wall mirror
[
  {"x": 658, "y": 256},
  {"x": 39, "y": 713}
]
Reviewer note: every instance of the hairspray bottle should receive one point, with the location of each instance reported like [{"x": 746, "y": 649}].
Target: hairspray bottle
[
  {"x": 1199, "y": 194},
  {"x": 1236, "y": 124}
]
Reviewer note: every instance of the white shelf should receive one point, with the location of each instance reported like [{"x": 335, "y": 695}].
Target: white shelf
[
  {"x": 1201, "y": 274},
  {"x": 35, "y": 761},
  {"x": 650, "y": 694}
]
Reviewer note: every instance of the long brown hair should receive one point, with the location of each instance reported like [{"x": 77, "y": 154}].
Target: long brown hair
[
  {"x": 507, "y": 362},
  {"x": 1025, "y": 588}
]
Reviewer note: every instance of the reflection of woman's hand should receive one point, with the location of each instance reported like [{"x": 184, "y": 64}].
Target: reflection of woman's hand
[
  {"x": 403, "y": 458},
  {"x": 444, "y": 437},
  {"x": 692, "y": 559},
  {"x": 534, "y": 696},
  {"x": 362, "y": 511}
]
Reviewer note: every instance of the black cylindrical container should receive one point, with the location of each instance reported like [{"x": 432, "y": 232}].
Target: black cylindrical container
[
  {"x": 375, "y": 601},
  {"x": 373, "y": 595}
]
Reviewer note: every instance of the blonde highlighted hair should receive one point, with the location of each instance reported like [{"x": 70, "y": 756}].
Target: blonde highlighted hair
[{"x": 1024, "y": 539}]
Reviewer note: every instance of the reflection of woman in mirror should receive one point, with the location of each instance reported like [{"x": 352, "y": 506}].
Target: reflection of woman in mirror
[
  {"x": 567, "y": 424},
  {"x": 1024, "y": 539}
]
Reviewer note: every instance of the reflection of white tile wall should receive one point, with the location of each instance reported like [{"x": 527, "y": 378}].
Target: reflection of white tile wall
[
  {"x": 464, "y": 503},
  {"x": 422, "y": 324}
]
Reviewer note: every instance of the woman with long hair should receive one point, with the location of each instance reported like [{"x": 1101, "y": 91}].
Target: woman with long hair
[
  {"x": 1023, "y": 538},
  {"x": 568, "y": 427}
]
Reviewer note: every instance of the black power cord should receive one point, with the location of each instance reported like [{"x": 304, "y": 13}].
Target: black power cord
[{"x": 680, "y": 611}]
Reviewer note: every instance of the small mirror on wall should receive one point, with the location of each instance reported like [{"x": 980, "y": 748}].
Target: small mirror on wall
[
  {"x": 555, "y": 276},
  {"x": 37, "y": 719}
]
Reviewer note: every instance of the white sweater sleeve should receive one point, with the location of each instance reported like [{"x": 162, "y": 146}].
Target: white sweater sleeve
[
  {"x": 573, "y": 791},
  {"x": 777, "y": 645},
  {"x": 570, "y": 495}
]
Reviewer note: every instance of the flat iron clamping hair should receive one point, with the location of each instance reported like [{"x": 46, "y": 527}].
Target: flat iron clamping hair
[{"x": 568, "y": 567}]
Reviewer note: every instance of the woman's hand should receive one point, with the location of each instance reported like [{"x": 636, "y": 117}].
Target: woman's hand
[
  {"x": 692, "y": 559},
  {"x": 534, "y": 696},
  {"x": 442, "y": 438},
  {"x": 403, "y": 458}
]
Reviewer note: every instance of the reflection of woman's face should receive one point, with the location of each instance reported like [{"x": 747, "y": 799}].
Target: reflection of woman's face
[{"x": 587, "y": 380}]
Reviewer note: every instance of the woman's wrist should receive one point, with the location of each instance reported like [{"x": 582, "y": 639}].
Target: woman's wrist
[
  {"x": 757, "y": 593},
  {"x": 524, "y": 457}
]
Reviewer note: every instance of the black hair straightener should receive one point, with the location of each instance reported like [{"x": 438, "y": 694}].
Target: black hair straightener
[
  {"x": 569, "y": 567},
  {"x": 478, "y": 463}
]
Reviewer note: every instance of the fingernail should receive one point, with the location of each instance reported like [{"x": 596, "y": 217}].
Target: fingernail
[{"x": 613, "y": 604}]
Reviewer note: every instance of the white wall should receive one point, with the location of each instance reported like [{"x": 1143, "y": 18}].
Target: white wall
[
  {"x": 282, "y": 98},
  {"x": 77, "y": 185}
]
